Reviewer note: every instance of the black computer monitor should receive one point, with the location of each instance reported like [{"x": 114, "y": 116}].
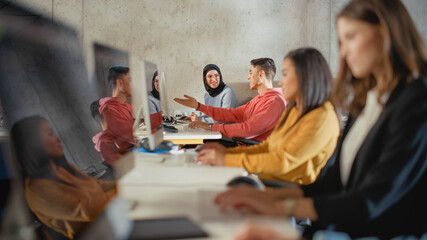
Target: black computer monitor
[{"x": 105, "y": 58}]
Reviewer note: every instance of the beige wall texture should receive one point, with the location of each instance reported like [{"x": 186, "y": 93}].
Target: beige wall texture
[{"x": 182, "y": 36}]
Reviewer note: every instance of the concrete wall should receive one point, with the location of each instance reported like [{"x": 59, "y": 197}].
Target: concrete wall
[{"x": 182, "y": 36}]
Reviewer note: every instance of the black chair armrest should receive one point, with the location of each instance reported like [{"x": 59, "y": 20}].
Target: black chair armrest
[
  {"x": 248, "y": 142},
  {"x": 278, "y": 184}
]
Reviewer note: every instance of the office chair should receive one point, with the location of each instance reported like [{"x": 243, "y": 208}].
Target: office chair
[
  {"x": 42, "y": 231},
  {"x": 94, "y": 172}
]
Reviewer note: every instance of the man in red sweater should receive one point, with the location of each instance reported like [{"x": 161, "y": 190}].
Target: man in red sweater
[
  {"x": 117, "y": 117},
  {"x": 254, "y": 120}
]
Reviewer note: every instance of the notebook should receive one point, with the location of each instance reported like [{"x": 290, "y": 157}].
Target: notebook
[{"x": 166, "y": 228}]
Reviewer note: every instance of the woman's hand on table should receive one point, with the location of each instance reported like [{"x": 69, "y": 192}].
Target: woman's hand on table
[
  {"x": 251, "y": 231},
  {"x": 246, "y": 199},
  {"x": 194, "y": 117},
  {"x": 212, "y": 156}
]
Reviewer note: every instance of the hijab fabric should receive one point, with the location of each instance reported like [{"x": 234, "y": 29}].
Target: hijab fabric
[
  {"x": 154, "y": 91},
  {"x": 213, "y": 92}
]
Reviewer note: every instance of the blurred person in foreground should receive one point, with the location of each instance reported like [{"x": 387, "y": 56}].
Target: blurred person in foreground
[
  {"x": 62, "y": 197},
  {"x": 376, "y": 185}
]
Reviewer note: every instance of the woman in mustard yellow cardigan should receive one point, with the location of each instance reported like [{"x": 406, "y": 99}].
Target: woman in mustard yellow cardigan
[
  {"x": 61, "y": 196},
  {"x": 305, "y": 137}
]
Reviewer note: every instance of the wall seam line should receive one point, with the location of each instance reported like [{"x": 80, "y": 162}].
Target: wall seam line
[
  {"x": 330, "y": 31},
  {"x": 82, "y": 33}
]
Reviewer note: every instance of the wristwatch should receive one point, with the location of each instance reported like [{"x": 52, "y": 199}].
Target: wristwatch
[{"x": 210, "y": 126}]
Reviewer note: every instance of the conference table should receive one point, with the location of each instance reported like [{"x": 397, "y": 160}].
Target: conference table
[
  {"x": 191, "y": 136},
  {"x": 185, "y": 135},
  {"x": 175, "y": 185}
]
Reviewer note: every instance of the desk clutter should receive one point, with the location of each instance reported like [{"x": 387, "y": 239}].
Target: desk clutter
[{"x": 167, "y": 188}]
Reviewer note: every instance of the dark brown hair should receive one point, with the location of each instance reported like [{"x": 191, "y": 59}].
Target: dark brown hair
[
  {"x": 116, "y": 72},
  {"x": 94, "y": 111},
  {"x": 267, "y": 65},
  {"x": 314, "y": 78},
  {"x": 26, "y": 142},
  {"x": 403, "y": 47},
  {"x": 29, "y": 152}
]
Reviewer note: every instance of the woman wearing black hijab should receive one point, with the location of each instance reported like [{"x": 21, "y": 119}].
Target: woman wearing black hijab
[
  {"x": 154, "y": 96},
  {"x": 217, "y": 93}
]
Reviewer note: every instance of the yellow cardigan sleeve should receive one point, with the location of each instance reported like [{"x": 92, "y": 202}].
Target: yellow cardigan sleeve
[
  {"x": 300, "y": 144},
  {"x": 254, "y": 149},
  {"x": 60, "y": 201},
  {"x": 259, "y": 148}
]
